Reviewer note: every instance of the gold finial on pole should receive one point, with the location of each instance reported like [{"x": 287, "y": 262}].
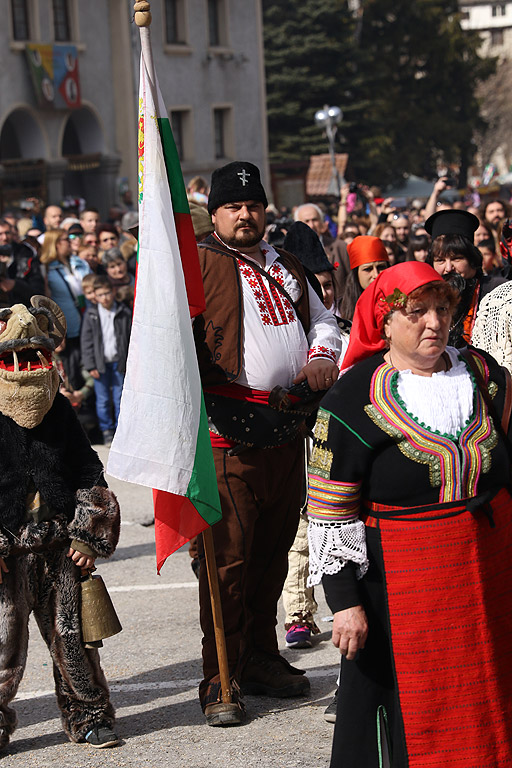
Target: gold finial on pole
[{"x": 142, "y": 15}]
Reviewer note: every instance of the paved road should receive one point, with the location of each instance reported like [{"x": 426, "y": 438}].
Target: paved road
[{"x": 153, "y": 668}]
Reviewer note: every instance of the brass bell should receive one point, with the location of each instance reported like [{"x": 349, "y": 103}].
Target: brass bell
[{"x": 98, "y": 615}]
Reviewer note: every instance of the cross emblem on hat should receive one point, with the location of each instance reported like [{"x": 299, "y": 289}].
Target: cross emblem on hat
[{"x": 244, "y": 176}]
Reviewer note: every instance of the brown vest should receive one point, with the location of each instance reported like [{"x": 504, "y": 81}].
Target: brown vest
[{"x": 218, "y": 332}]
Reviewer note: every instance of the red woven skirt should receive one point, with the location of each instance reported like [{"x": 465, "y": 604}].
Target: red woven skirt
[{"x": 449, "y": 589}]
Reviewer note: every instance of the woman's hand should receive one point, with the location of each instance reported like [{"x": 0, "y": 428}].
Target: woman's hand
[{"x": 349, "y": 631}]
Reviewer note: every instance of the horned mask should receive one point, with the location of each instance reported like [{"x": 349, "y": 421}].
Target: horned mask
[{"x": 29, "y": 379}]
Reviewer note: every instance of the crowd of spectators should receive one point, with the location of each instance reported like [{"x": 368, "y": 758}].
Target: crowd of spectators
[
  {"x": 88, "y": 268},
  {"x": 72, "y": 255}
]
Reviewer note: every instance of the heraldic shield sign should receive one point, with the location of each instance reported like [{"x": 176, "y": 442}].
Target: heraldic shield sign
[{"x": 54, "y": 72}]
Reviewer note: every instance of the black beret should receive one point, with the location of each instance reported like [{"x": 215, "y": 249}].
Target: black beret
[
  {"x": 235, "y": 183},
  {"x": 305, "y": 244},
  {"x": 452, "y": 222}
]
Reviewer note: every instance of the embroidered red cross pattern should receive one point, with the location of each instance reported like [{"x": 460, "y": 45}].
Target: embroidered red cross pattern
[{"x": 274, "y": 308}]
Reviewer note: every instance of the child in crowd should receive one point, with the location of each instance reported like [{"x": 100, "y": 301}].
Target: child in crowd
[
  {"x": 104, "y": 345},
  {"x": 88, "y": 290}
]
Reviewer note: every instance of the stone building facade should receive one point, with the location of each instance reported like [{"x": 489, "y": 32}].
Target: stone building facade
[{"x": 73, "y": 131}]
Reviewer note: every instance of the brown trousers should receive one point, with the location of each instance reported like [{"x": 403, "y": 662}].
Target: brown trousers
[{"x": 260, "y": 492}]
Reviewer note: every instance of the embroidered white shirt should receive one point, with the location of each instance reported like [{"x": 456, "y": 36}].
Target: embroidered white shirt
[
  {"x": 108, "y": 333},
  {"x": 275, "y": 347}
]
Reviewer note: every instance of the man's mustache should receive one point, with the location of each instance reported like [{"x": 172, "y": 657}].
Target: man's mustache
[{"x": 244, "y": 225}]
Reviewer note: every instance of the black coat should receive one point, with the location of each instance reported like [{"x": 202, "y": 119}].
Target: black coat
[
  {"x": 91, "y": 339},
  {"x": 56, "y": 456}
]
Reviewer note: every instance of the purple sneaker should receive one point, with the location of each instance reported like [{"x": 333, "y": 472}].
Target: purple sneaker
[{"x": 298, "y": 636}]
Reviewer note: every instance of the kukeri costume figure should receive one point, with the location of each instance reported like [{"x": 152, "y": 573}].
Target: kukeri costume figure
[{"x": 56, "y": 517}]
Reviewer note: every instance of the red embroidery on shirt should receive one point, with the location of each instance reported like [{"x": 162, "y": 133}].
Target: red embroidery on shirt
[
  {"x": 274, "y": 308},
  {"x": 320, "y": 351}
]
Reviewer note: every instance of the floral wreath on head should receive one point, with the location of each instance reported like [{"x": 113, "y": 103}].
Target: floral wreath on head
[{"x": 396, "y": 300}]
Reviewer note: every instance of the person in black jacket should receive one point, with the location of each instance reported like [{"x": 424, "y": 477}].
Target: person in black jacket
[
  {"x": 104, "y": 345},
  {"x": 20, "y": 271}
]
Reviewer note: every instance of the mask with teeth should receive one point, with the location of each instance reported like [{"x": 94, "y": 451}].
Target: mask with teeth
[{"x": 28, "y": 377}]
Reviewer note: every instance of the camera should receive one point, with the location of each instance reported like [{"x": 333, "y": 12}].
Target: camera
[
  {"x": 352, "y": 187},
  {"x": 451, "y": 182}
]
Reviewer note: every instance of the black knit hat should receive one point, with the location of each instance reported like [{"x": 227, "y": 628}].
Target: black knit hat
[
  {"x": 305, "y": 244},
  {"x": 452, "y": 222},
  {"x": 234, "y": 183}
]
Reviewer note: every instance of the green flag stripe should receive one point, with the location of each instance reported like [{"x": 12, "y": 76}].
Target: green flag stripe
[
  {"x": 202, "y": 489},
  {"x": 173, "y": 167}
]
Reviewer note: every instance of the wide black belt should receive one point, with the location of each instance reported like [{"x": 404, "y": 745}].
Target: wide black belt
[{"x": 262, "y": 425}]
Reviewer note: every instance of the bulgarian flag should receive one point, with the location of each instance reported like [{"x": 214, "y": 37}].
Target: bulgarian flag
[{"x": 162, "y": 438}]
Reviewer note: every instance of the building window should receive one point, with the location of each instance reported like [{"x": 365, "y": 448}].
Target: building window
[
  {"x": 20, "y": 22},
  {"x": 465, "y": 15},
  {"x": 499, "y": 10},
  {"x": 223, "y": 132},
  {"x": 174, "y": 11},
  {"x": 217, "y": 23},
  {"x": 219, "y": 127},
  {"x": 181, "y": 124},
  {"x": 496, "y": 37},
  {"x": 61, "y": 25},
  {"x": 213, "y": 22}
]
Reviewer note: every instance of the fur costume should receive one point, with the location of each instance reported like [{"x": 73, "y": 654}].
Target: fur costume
[{"x": 52, "y": 496}]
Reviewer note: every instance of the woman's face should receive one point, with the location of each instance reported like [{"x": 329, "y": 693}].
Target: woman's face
[
  {"x": 327, "y": 285},
  {"x": 63, "y": 248},
  {"x": 117, "y": 269},
  {"x": 444, "y": 264},
  {"x": 421, "y": 254},
  {"x": 367, "y": 273},
  {"x": 76, "y": 243},
  {"x": 418, "y": 335},
  {"x": 389, "y": 234},
  {"x": 482, "y": 233},
  {"x": 90, "y": 255}
]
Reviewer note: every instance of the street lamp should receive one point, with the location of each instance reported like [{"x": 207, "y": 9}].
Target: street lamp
[{"x": 329, "y": 118}]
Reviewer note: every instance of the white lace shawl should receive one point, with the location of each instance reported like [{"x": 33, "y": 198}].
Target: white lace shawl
[{"x": 493, "y": 325}]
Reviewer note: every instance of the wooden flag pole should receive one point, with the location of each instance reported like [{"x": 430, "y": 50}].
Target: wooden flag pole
[
  {"x": 142, "y": 18},
  {"x": 218, "y": 621}
]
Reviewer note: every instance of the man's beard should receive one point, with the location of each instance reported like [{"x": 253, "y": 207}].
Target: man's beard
[{"x": 246, "y": 239}]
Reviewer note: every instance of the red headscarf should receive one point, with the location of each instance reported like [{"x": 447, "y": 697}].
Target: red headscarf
[
  {"x": 365, "y": 249},
  {"x": 372, "y": 307}
]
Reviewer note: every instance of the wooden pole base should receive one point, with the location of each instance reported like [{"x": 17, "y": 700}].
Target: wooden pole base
[{"x": 218, "y": 622}]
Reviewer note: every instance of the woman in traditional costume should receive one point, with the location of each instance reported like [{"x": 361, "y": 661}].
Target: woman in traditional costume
[
  {"x": 368, "y": 258},
  {"x": 411, "y": 535}
]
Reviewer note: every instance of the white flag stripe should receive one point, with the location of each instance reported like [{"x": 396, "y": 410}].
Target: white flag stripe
[{"x": 155, "y": 441}]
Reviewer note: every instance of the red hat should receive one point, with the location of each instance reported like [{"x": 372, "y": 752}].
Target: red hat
[
  {"x": 389, "y": 291},
  {"x": 365, "y": 249}
]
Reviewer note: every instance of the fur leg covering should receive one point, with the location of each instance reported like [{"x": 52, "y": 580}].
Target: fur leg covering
[
  {"x": 97, "y": 520},
  {"x": 81, "y": 687},
  {"x": 15, "y": 606}
]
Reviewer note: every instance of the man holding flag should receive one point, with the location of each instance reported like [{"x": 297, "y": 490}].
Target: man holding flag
[{"x": 263, "y": 327}]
